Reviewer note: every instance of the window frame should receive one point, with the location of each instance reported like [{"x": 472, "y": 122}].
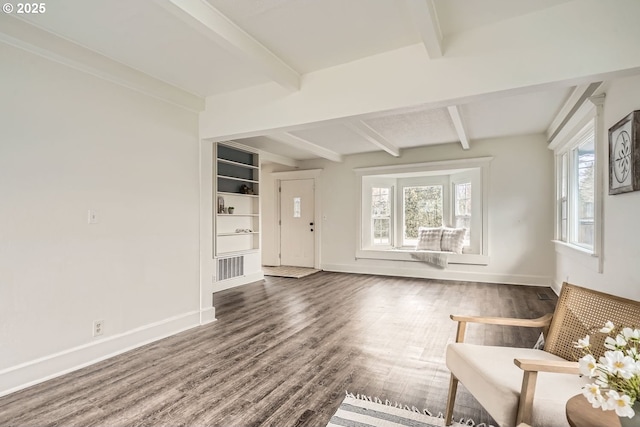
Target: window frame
[
  {"x": 399, "y": 175},
  {"x": 588, "y": 116}
]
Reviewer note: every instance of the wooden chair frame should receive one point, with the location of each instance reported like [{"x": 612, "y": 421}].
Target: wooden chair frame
[{"x": 579, "y": 311}]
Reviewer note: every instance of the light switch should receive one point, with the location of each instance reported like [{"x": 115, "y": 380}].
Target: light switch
[{"x": 92, "y": 216}]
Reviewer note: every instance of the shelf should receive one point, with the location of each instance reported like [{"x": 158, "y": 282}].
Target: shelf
[
  {"x": 227, "y": 193},
  {"x": 238, "y": 234},
  {"x": 242, "y": 165},
  {"x": 252, "y": 215},
  {"x": 234, "y": 253},
  {"x": 233, "y": 178}
]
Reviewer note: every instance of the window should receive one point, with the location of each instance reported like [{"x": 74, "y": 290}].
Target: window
[
  {"x": 576, "y": 190},
  {"x": 397, "y": 200},
  {"x": 381, "y": 215},
  {"x": 462, "y": 207},
  {"x": 421, "y": 207}
]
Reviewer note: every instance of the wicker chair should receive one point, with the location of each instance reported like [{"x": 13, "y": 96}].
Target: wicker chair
[{"x": 503, "y": 379}]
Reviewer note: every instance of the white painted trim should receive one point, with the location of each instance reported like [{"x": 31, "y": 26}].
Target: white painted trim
[
  {"x": 238, "y": 281},
  {"x": 213, "y": 24},
  {"x": 405, "y": 255},
  {"x": 579, "y": 94},
  {"x": 426, "y": 166},
  {"x": 458, "y": 124},
  {"x": 54, "y": 365},
  {"x": 582, "y": 256},
  {"x": 207, "y": 315},
  {"x": 434, "y": 273},
  {"x": 28, "y": 37}
]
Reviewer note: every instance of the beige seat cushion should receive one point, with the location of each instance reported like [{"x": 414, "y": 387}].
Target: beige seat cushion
[{"x": 488, "y": 372}]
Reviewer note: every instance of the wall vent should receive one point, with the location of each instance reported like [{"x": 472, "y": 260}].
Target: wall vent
[{"x": 228, "y": 268}]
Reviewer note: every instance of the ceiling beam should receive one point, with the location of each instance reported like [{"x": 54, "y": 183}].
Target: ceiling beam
[
  {"x": 268, "y": 157},
  {"x": 372, "y": 136},
  {"x": 303, "y": 144},
  {"x": 210, "y": 22},
  {"x": 454, "y": 112},
  {"x": 425, "y": 17},
  {"x": 23, "y": 35}
]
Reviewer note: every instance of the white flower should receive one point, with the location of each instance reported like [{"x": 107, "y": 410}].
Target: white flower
[
  {"x": 621, "y": 403},
  {"x": 617, "y": 363},
  {"x": 608, "y": 327},
  {"x": 631, "y": 334},
  {"x": 582, "y": 343},
  {"x": 588, "y": 366},
  {"x": 594, "y": 395},
  {"x": 613, "y": 344}
]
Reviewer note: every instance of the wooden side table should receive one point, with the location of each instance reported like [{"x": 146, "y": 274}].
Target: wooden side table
[{"x": 580, "y": 413}]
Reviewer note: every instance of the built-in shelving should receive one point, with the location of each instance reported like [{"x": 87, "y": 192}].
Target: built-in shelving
[{"x": 237, "y": 177}]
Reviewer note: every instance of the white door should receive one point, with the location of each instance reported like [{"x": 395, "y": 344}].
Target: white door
[{"x": 297, "y": 227}]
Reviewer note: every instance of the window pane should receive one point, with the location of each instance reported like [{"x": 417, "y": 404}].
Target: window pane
[
  {"x": 585, "y": 161},
  {"x": 381, "y": 215},
  {"x": 422, "y": 207},
  {"x": 381, "y": 235},
  {"x": 463, "y": 209},
  {"x": 296, "y": 207},
  {"x": 380, "y": 201}
]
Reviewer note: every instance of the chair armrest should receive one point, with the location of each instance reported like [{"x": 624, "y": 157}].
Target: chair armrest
[
  {"x": 531, "y": 367},
  {"x": 556, "y": 366},
  {"x": 541, "y": 322}
]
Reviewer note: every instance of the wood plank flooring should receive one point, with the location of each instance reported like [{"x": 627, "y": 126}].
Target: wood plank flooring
[{"x": 284, "y": 351}]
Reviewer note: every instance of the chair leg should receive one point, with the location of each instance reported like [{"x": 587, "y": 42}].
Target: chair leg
[{"x": 451, "y": 398}]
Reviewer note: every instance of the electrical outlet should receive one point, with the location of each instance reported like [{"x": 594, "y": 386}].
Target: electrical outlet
[{"x": 98, "y": 327}]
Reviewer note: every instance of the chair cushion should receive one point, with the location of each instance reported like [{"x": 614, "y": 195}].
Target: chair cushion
[{"x": 490, "y": 375}]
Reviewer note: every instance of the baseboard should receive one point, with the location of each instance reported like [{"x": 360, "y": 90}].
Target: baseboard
[
  {"x": 238, "y": 281},
  {"x": 467, "y": 276},
  {"x": 36, "y": 371},
  {"x": 208, "y": 315}
]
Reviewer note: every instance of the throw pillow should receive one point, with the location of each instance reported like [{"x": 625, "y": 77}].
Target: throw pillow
[
  {"x": 429, "y": 239},
  {"x": 453, "y": 240}
]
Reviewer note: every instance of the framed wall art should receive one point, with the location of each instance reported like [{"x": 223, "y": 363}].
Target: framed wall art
[{"x": 624, "y": 155}]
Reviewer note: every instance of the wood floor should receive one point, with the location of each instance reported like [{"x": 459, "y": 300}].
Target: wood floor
[{"x": 284, "y": 351}]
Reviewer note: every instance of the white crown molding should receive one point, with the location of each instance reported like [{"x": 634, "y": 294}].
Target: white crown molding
[{"x": 20, "y": 34}]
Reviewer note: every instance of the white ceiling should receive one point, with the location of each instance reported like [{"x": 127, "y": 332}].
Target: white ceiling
[{"x": 212, "y": 47}]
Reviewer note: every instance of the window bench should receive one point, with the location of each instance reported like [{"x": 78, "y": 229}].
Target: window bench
[{"x": 404, "y": 254}]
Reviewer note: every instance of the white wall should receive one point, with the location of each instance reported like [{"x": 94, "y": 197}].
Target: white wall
[
  {"x": 621, "y": 232},
  {"x": 70, "y": 142},
  {"x": 520, "y": 212}
]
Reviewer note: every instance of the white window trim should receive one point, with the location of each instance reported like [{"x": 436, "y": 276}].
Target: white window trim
[
  {"x": 483, "y": 163},
  {"x": 563, "y": 143}
]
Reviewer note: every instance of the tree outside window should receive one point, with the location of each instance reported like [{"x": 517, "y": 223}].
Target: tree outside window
[{"x": 422, "y": 207}]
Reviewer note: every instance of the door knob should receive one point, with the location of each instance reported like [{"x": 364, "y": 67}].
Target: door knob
[
  {"x": 310, "y": 223},
  {"x": 312, "y": 229}
]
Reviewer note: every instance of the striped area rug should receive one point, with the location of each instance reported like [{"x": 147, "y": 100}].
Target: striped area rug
[{"x": 361, "y": 411}]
